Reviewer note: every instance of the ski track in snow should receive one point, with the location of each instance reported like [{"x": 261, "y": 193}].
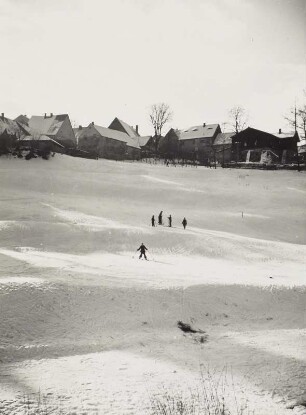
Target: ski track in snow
[
  {"x": 164, "y": 270},
  {"x": 94, "y": 223},
  {"x": 178, "y": 185}
]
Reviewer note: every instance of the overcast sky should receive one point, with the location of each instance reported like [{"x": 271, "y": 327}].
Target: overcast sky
[{"x": 98, "y": 59}]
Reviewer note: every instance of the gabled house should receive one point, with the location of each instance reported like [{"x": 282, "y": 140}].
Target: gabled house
[
  {"x": 57, "y": 127},
  {"x": 10, "y": 133},
  {"x": 193, "y": 143},
  {"x": 256, "y": 146},
  {"x": 122, "y": 126},
  {"x": 107, "y": 143},
  {"x": 223, "y": 148}
]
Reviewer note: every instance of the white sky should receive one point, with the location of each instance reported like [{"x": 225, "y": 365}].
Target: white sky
[{"x": 97, "y": 59}]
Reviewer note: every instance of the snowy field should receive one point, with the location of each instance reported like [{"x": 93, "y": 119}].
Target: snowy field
[{"x": 88, "y": 328}]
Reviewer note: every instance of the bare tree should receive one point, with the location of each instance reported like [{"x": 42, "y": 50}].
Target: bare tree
[
  {"x": 238, "y": 118},
  {"x": 292, "y": 118},
  {"x": 297, "y": 117},
  {"x": 160, "y": 114},
  {"x": 302, "y": 120}
]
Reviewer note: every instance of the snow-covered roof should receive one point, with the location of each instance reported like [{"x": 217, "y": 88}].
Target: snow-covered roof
[
  {"x": 126, "y": 127},
  {"x": 11, "y": 127},
  {"x": 284, "y": 135},
  {"x": 116, "y": 135},
  {"x": 198, "y": 131},
  {"x": 49, "y": 125},
  {"x": 143, "y": 140}
]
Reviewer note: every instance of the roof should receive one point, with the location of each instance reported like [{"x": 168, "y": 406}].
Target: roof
[
  {"x": 143, "y": 140},
  {"x": 198, "y": 131},
  {"x": 224, "y": 139},
  {"x": 275, "y": 135},
  {"x": 116, "y": 135},
  {"x": 49, "y": 125},
  {"x": 11, "y": 127},
  {"x": 128, "y": 128},
  {"x": 22, "y": 119},
  {"x": 284, "y": 135},
  {"x": 42, "y": 137}
]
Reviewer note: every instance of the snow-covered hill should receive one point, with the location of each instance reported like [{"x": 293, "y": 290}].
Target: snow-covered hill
[{"x": 88, "y": 325}]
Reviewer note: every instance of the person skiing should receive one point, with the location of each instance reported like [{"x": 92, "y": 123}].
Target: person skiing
[
  {"x": 184, "y": 223},
  {"x": 170, "y": 221},
  {"x": 142, "y": 250},
  {"x": 160, "y": 218},
  {"x": 153, "y": 220}
]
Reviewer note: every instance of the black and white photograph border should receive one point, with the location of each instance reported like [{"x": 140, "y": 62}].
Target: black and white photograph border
[{"x": 152, "y": 207}]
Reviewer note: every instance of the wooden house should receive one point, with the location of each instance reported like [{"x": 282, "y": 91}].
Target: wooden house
[
  {"x": 256, "y": 146},
  {"x": 194, "y": 143}
]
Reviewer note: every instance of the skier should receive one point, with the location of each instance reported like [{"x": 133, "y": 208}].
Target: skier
[
  {"x": 153, "y": 220},
  {"x": 142, "y": 250},
  {"x": 170, "y": 221},
  {"x": 184, "y": 223},
  {"x": 160, "y": 218}
]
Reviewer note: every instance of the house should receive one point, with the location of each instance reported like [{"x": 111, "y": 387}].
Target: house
[
  {"x": 10, "y": 132},
  {"x": 222, "y": 147},
  {"x": 194, "y": 143},
  {"x": 57, "y": 127},
  {"x": 122, "y": 126},
  {"x": 107, "y": 143},
  {"x": 256, "y": 146},
  {"x": 42, "y": 143},
  {"x": 132, "y": 139}
]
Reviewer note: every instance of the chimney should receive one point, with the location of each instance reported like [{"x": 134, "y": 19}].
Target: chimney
[
  {"x": 136, "y": 129},
  {"x": 45, "y": 115},
  {"x": 51, "y": 114},
  {"x": 204, "y": 124},
  {"x": 279, "y": 131},
  {"x": 92, "y": 123},
  {"x": 2, "y": 115},
  {"x": 80, "y": 127}
]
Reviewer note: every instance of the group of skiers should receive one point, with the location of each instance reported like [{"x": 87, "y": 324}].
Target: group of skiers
[
  {"x": 142, "y": 247},
  {"x": 160, "y": 220}
]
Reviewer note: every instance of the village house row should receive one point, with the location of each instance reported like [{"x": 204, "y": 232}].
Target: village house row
[{"x": 203, "y": 144}]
